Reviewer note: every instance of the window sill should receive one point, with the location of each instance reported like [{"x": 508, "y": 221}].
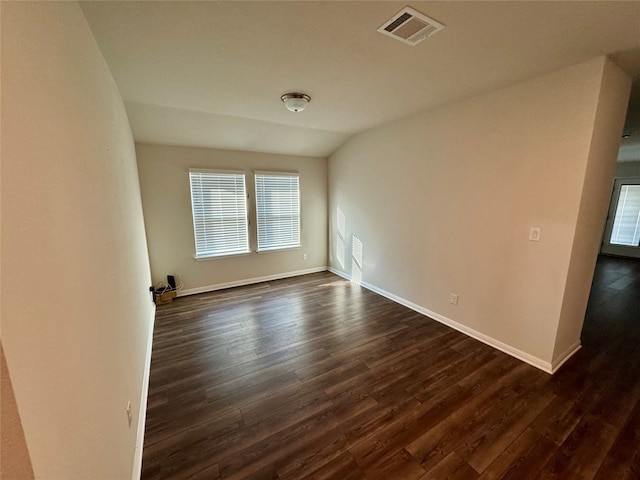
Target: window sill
[
  {"x": 284, "y": 249},
  {"x": 221, "y": 256}
]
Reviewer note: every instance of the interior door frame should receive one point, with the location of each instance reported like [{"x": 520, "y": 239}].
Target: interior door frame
[{"x": 608, "y": 248}]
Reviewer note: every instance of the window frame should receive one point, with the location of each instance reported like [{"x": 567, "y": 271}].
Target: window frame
[
  {"x": 243, "y": 246},
  {"x": 607, "y": 246},
  {"x": 258, "y": 198}
]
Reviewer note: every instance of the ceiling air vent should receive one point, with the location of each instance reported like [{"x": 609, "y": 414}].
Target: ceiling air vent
[{"x": 410, "y": 27}]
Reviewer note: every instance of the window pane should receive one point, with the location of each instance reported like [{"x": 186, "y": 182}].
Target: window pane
[
  {"x": 278, "y": 211},
  {"x": 626, "y": 225},
  {"x": 218, "y": 203}
]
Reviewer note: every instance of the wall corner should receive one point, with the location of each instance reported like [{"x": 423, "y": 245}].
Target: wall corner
[{"x": 608, "y": 123}]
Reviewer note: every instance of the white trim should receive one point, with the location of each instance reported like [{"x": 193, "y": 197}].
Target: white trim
[
  {"x": 206, "y": 258},
  {"x": 217, "y": 170},
  {"x": 250, "y": 281},
  {"x": 492, "y": 342},
  {"x": 276, "y": 174},
  {"x": 558, "y": 362},
  {"x": 279, "y": 249},
  {"x": 142, "y": 414}
]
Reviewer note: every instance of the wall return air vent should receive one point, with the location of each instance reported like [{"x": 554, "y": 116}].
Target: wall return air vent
[{"x": 410, "y": 26}]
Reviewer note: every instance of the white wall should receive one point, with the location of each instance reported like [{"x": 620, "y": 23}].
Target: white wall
[
  {"x": 442, "y": 203},
  {"x": 613, "y": 99},
  {"x": 76, "y": 312},
  {"x": 166, "y": 198}
]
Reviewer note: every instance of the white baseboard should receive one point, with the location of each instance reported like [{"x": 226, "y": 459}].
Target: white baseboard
[
  {"x": 249, "y": 281},
  {"x": 492, "y": 342},
  {"x": 142, "y": 414},
  {"x": 558, "y": 362}
]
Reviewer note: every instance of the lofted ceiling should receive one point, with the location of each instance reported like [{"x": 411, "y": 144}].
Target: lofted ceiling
[{"x": 211, "y": 73}]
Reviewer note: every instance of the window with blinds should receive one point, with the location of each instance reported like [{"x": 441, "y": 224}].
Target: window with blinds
[
  {"x": 278, "y": 210},
  {"x": 626, "y": 225},
  {"x": 219, "y": 207}
]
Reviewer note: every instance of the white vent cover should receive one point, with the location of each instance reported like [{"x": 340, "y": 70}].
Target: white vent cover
[{"x": 410, "y": 26}]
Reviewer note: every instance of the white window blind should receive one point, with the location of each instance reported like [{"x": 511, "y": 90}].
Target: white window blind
[
  {"x": 219, "y": 207},
  {"x": 278, "y": 210},
  {"x": 626, "y": 225}
]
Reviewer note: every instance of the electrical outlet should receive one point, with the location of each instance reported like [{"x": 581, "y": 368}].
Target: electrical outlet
[
  {"x": 453, "y": 299},
  {"x": 534, "y": 234},
  {"x": 129, "y": 414},
  {"x": 305, "y": 256}
]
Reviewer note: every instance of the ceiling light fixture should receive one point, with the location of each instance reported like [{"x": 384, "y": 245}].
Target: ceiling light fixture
[{"x": 295, "y": 102}]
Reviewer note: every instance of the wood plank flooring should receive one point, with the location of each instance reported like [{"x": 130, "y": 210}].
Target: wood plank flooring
[{"x": 314, "y": 377}]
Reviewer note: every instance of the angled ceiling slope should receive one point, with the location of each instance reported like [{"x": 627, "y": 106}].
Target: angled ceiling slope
[{"x": 211, "y": 73}]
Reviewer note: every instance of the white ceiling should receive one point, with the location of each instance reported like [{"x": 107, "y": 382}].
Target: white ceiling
[{"x": 211, "y": 73}]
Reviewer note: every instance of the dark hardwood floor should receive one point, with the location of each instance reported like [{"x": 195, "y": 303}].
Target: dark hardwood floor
[{"x": 314, "y": 377}]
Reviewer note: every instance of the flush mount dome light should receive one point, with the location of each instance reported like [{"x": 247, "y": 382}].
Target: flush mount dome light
[{"x": 295, "y": 102}]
